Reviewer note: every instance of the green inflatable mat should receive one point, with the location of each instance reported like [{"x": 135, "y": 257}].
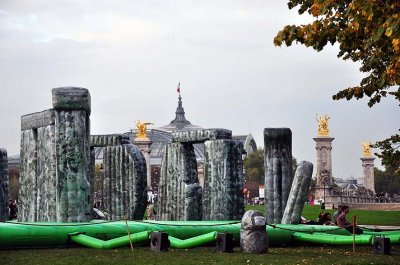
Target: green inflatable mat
[{"x": 100, "y": 234}]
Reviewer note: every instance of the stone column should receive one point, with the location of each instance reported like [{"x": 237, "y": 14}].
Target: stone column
[
  {"x": 144, "y": 144},
  {"x": 124, "y": 184},
  {"x": 72, "y": 132},
  {"x": 324, "y": 166},
  {"x": 368, "y": 172},
  {"x": 278, "y": 171},
  {"x": 223, "y": 180},
  {"x": 3, "y": 185},
  {"x": 92, "y": 175},
  {"x": 179, "y": 191},
  {"x": 46, "y": 174},
  {"x": 298, "y": 193}
]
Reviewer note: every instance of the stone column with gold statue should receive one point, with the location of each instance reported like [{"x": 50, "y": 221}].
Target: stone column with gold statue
[
  {"x": 368, "y": 167},
  {"x": 143, "y": 142},
  {"x": 324, "y": 159}
]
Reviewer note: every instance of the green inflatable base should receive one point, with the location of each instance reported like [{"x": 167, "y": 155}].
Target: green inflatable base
[{"x": 182, "y": 234}]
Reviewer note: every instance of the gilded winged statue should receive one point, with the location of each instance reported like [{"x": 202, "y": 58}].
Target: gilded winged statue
[
  {"x": 142, "y": 129},
  {"x": 366, "y": 149},
  {"x": 323, "y": 129}
]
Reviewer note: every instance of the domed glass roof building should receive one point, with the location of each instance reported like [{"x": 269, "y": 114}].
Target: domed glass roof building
[
  {"x": 162, "y": 136},
  {"x": 180, "y": 122}
]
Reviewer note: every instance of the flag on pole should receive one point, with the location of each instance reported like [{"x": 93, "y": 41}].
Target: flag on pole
[{"x": 178, "y": 89}]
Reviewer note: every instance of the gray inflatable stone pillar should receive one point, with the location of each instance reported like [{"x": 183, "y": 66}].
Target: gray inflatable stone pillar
[
  {"x": 38, "y": 168},
  {"x": 298, "y": 193},
  {"x": 27, "y": 211},
  {"x": 72, "y": 132},
  {"x": 253, "y": 233},
  {"x": 3, "y": 185},
  {"x": 46, "y": 174},
  {"x": 124, "y": 184},
  {"x": 92, "y": 176},
  {"x": 223, "y": 180},
  {"x": 179, "y": 191},
  {"x": 55, "y": 160},
  {"x": 278, "y": 171}
]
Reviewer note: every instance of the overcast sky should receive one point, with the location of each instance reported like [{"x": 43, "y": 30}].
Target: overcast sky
[{"x": 132, "y": 54}]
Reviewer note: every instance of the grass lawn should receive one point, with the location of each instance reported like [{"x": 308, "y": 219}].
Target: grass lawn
[
  {"x": 206, "y": 255},
  {"x": 202, "y": 255},
  {"x": 364, "y": 217}
]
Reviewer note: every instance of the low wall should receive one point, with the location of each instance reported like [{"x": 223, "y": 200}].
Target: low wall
[
  {"x": 360, "y": 203},
  {"x": 335, "y": 200},
  {"x": 368, "y": 206},
  {"x": 375, "y": 206}
]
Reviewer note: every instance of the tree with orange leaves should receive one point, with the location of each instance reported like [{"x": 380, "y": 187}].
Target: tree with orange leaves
[{"x": 367, "y": 31}]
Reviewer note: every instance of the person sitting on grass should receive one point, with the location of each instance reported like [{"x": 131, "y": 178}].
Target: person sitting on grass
[
  {"x": 325, "y": 219},
  {"x": 319, "y": 219},
  {"x": 343, "y": 223},
  {"x": 337, "y": 213},
  {"x": 304, "y": 221}
]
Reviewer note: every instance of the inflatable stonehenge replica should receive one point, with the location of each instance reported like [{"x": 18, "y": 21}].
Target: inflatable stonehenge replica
[
  {"x": 180, "y": 195},
  {"x": 58, "y": 165}
]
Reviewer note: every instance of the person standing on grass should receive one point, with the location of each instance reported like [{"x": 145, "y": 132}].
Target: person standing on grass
[
  {"x": 337, "y": 213},
  {"x": 13, "y": 210},
  {"x": 150, "y": 211},
  {"x": 343, "y": 223}
]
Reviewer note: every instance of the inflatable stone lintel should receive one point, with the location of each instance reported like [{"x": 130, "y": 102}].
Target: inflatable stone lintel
[
  {"x": 199, "y": 136},
  {"x": 108, "y": 140},
  {"x": 71, "y": 98},
  {"x": 37, "y": 120}
]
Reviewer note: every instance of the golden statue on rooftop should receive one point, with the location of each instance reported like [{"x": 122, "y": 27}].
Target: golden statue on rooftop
[
  {"x": 366, "y": 149},
  {"x": 142, "y": 129},
  {"x": 323, "y": 129}
]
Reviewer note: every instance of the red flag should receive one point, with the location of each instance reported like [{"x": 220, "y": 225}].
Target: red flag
[{"x": 178, "y": 89}]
